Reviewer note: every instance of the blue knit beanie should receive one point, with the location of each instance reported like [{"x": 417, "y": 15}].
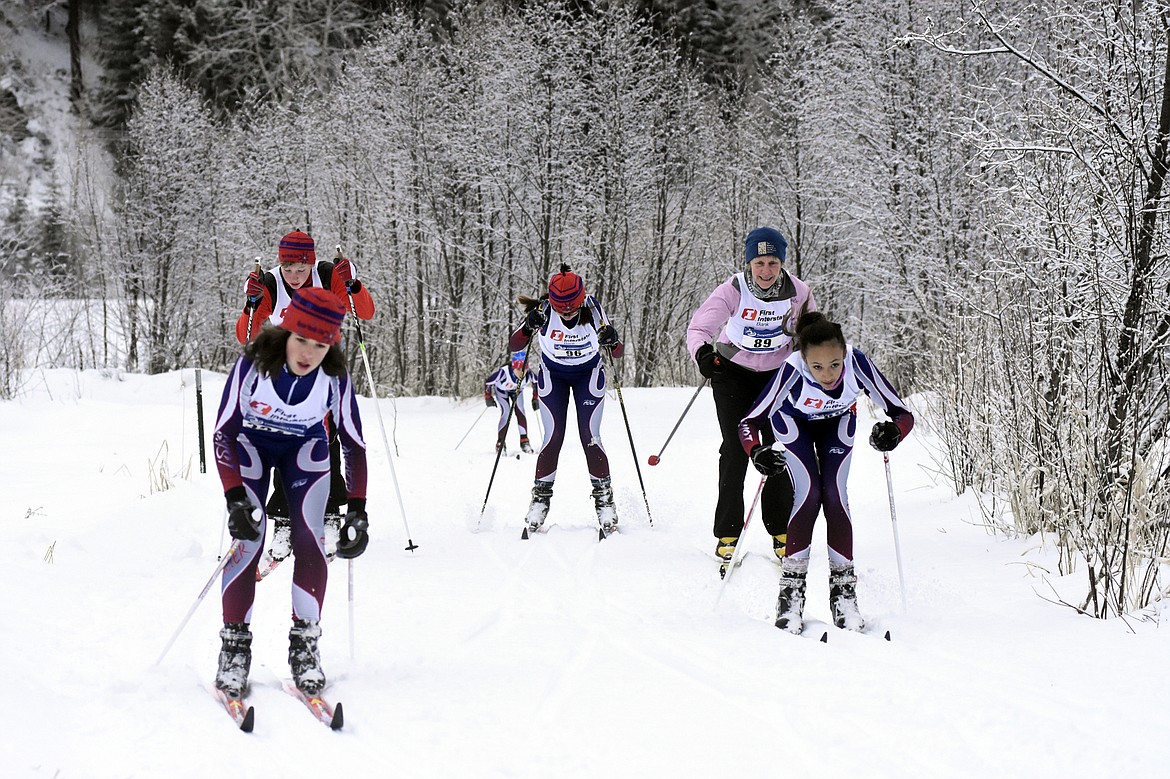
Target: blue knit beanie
[{"x": 765, "y": 241}]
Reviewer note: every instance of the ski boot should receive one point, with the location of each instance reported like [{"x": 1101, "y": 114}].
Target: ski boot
[
  {"x": 790, "y": 603},
  {"x": 332, "y": 533},
  {"x": 235, "y": 659},
  {"x": 525, "y": 445},
  {"x": 500, "y": 447},
  {"x": 603, "y": 505},
  {"x": 725, "y": 550},
  {"x": 778, "y": 544},
  {"x": 843, "y": 597},
  {"x": 538, "y": 510},
  {"x": 304, "y": 657},
  {"x": 281, "y": 539}
]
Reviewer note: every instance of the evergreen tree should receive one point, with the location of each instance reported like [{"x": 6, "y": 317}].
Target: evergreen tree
[{"x": 125, "y": 63}]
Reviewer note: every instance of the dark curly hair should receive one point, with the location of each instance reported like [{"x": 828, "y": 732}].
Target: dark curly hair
[{"x": 267, "y": 351}]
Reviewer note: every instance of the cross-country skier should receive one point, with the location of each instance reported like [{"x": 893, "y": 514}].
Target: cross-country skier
[
  {"x": 750, "y": 317},
  {"x": 504, "y": 388},
  {"x": 571, "y": 328},
  {"x": 269, "y": 294},
  {"x": 272, "y": 415},
  {"x": 810, "y": 410}
]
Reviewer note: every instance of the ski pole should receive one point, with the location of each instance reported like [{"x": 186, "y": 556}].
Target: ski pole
[
  {"x": 735, "y": 556},
  {"x": 517, "y": 398},
  {"x": 250, "y": 307},
  {"x": 473, "y": 424},
  {"x": 222, "y": 531},
  {"x": 203, "y": 594},
  {"x": 199, "y": 420},
  {"x": 894, "y": 525},
  {"x": 518, "y": 401},
  {"x": 410, "y": 545},
  {"x": 351, "y": 641},
  {"x": 499, "y": 451},
  {"x": 539, "y": 420},
  {"x": 637, "y": 469},
  {"x": 253, "y": 303},
  {"x": 535, "y": 389},
  {"x": 656, "y": 458}
]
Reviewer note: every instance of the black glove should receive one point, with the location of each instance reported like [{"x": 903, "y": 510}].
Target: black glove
[
  {"x": 768, "y": 461},
  {"x": 885, "y": 436},
  {"x": 353, "y": 286},
  {"x": 708, "y": 360},
  {"x": 534, "y": 321},
  {"x": 353, "y": 539},
  {"x": 243, "y": 523},
  {"x": 489, "y": 400},
  {"x": 535, "y": 403},
  {"x": 607, "y": 335}
]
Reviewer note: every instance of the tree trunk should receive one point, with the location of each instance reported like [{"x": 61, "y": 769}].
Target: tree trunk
[
  {"x": 1135, "y": 359},
  {"x": 73, "y": 32}
]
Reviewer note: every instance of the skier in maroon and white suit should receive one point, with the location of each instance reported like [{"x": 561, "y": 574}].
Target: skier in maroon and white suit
[
  {"x": 272, "y": 416},
  {"x": 504, "y": 389},
  {"x": 810, "y": 409},
  {"x": 572, "y": 329}
]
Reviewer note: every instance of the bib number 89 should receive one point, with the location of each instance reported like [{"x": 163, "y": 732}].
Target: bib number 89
[{"x": 762, "y": 343}]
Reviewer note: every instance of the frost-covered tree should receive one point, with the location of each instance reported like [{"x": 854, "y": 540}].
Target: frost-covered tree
[
  {"x": 1074, "y": 319},
  {"x": 166, "y": 260},
  {"x": 232, "y": 51}
]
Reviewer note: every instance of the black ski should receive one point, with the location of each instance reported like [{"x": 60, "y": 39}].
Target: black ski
[
  {"x": 528, "y": 533},
  {"x": 811, "y": 628}
]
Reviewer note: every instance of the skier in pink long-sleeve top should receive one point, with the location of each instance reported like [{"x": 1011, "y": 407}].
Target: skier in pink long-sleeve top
[{"x": 750, "y": 318}]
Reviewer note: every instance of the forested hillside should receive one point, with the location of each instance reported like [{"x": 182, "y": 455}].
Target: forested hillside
[{"x": 975, "y": 190}]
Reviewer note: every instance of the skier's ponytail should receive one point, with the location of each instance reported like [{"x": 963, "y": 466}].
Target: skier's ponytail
[
  {"x": 814, "y": 328},
  {"x": 527, "y": 303}
]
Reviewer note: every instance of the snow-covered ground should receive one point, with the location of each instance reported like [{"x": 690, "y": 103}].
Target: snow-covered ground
[{"x": 481, "y": 655}]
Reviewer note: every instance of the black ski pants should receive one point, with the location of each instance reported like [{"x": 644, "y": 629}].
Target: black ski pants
[
  {"x": 338, "y": 496},
  {"x": 735, "y": 390}
]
